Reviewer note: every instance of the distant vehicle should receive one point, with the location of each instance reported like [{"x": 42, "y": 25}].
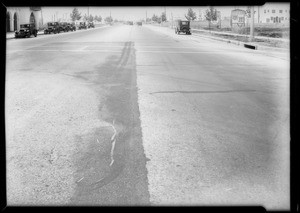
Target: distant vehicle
[
  {"x": 182, "y": 26},
  {"x": 91, "y": 25},
  {"x": 130, "y": 22},
  {"x": 26, "y": 30},
  {"x": 82, "y": 25},
  {"x": 139, "y": 23},
  {"x": 71, "y": 26},
  {"x": 52, "y": 27}
]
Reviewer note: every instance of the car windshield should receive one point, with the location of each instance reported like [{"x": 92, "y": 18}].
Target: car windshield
[
  {"x": 24, "y": 25},
  {"x": 50, "y": 24},
  {"x": 184, "y": 23}
]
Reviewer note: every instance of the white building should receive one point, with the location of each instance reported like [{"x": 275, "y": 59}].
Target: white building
[
  {"x": 274, "y": 13},
  {"x": 22, "y": 15},
  {"x": 270, "y": 12}
]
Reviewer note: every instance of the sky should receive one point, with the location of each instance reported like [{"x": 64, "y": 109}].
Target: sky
[{"x": 126, "y": 13}]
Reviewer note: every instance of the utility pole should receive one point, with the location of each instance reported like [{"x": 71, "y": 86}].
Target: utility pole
[
  {"x": 172, "y": 19},
  {"x": 146, "y": 16},
  {"x": 42, "y": 16},
  {"x": 252, "y": 24},
  {"x": 258, "y": 14}
]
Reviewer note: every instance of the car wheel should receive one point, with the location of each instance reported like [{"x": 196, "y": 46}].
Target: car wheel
[{"x": 35, "y": 33}]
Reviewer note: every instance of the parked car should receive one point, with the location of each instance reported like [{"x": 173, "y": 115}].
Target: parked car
[
  {"x": 139, "y": 23},
  {"x": 72, "y": 26},
  {"x": 64, "y": 26},
  {"x": 26, "y": 30},
  {"x": 91, "y": 25},
  {"x": 82, "y": 25},
  {"x": 52, "y": 27},
  {"x": 182, "y": 26}
]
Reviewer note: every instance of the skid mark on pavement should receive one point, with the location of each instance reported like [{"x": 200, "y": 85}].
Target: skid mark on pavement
[
  {"x": 124, "y": 180},
  {"x": 203, "y": 92}
]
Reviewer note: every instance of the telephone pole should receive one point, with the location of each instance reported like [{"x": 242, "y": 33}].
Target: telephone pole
[
  {"x": 252, "y": 24},
  {"x": 172, "y": 19}
]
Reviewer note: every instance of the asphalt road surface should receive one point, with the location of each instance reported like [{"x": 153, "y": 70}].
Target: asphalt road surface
[{"x": 131, "y": 115}]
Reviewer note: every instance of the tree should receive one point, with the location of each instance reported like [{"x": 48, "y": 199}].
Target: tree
[
  {"x": 163, "y": 17},
  {"x": 85, "y": 17},
  {"x": 108, "y": 19},
  {"x": 98, "y": 18},
  {"x": 75, "y": 15},
  {"x": 191, "y": 15},
  {"x": 211, "y": 14},
  {"x": 91, "y": 18},
  {"x": 155, "y": 18}
]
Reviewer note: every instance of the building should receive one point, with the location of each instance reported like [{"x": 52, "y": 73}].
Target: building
[
  {"x": 22, "y": 15},
  {"x": 270, "y": 13},
  {"x": 274, "y": 13}
]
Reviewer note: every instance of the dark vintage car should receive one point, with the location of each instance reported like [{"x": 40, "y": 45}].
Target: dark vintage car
[
  {"x": 82, "y": 25},
  {"x": 91, "y": 25},
  {"x": 182, "y": 26},
  {"x": 26, "y": 30},
  {"x": 52, "y": 27},
  {"x": 72, "y": 26},
  {"x": 64, "y": 26}
]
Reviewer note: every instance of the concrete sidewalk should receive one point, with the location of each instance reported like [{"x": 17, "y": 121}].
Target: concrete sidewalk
[{"x": 11, "y": 35}]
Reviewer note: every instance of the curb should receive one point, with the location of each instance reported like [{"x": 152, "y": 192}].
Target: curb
[
  {"x": 245, "y": 45},
  {"x": 42, "y": 33}
]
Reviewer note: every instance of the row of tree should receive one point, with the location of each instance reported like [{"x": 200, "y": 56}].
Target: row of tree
[
  {"x": 76, "y": 15},
  {"x": 158, "y": 19},
  {"x": 210, "y": 15}
]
